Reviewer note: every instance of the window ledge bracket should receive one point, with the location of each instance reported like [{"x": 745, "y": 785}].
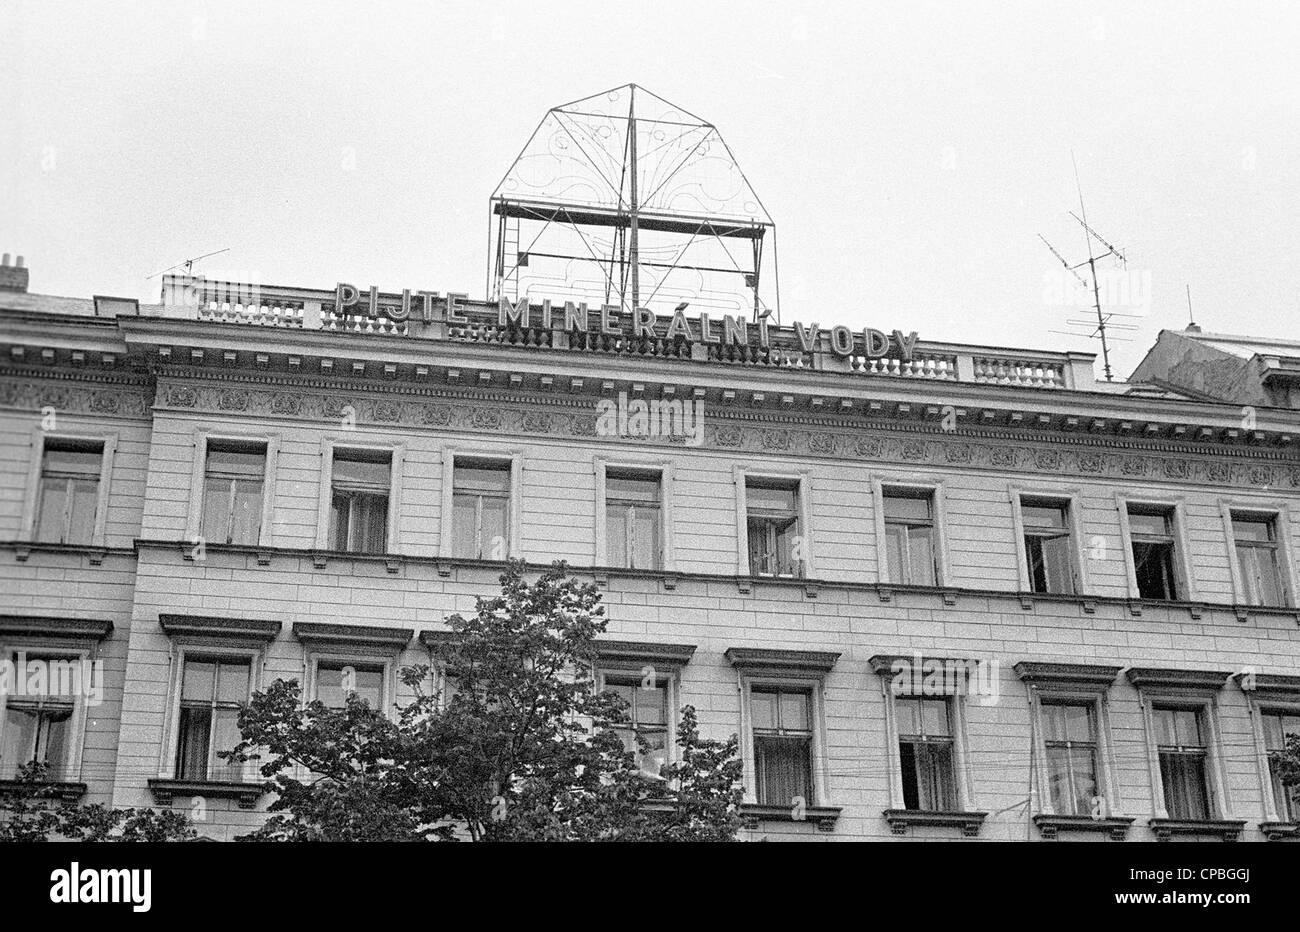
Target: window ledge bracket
[
  {"x": 1114, "y": 826},
  {"x": 1275, "y": 830},
  {"x": 245, "y": 794},
  {"x": 1227, "y": 829},
  {"x": 46, "y": 789},
  {"x": 901, "y": 819},
  {"x": 823, "y": 817}
]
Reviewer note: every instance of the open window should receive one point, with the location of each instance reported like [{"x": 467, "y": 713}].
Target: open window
[
  {"x": 783, "y": 738},
  {"x": 1184, "y": 752},
  {"x": 1074, "y": 785},
  {"x": 926, "y": 747}
]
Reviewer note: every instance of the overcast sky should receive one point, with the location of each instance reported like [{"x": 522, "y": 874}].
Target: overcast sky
[{"x": 909, "y": 155}]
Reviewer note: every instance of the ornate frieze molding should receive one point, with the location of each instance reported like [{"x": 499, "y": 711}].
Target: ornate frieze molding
[
  {"x": 728, "y": 428},
  {"x": 77, "y": 393}
]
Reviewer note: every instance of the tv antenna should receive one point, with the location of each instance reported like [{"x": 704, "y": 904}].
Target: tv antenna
[
  {"x": 1098, "y": 249},
  {"x": 188, "y": 263}
]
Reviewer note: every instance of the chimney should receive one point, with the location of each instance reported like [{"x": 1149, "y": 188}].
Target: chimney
[{"x": 13, "y": 277}]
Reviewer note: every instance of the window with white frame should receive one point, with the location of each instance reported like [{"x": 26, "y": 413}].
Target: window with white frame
[
  {"x": 68, "y": 493},
  {"x": 773, "y": 527},
  {"x": 910, "y": 536},
  {"x": 633, "y": 519},
  {"x": 925, "y": 753},
  {"x": 336, "y": 680},
  {"x": 1183, "y": 748},
  {"x": 233, "y": 478},
  {"x": 783, "y": 743},
  {"x": 646, "y": 676},
  {"x": 1070, "y": 741},
  {"x": 481, "y": 508},
  {"x": 1049, "y": 557},
  {"x": 37, "y": 727},
  {"x": 926, "y": 750},
  {"x": 1279, "y": 725},
  {"x": 1071, "y": 752},
  {"x": 782, "y": 729},
  {"x": 212, "y": 688},
  {"x": 1255, "y": 540},
  {"x": 361, "y": 483},
  {"x": 1152, "y": 541},
  {"x": 1189, "y": 784},
  {"x": 646, "y": 736}
]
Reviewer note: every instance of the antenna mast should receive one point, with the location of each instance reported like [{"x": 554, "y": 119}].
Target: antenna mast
[
  {"x": 188, "y": 263},
  {"x": 1107, "y": 251}
]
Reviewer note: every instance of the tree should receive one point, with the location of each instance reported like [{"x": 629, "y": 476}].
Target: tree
[
  {"x": 1286, "y": 761},
  {"x": 30, "y": 814},
  {"x": 505, "y": 738}
]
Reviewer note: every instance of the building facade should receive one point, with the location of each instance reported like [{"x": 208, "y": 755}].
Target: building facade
[{"x": 940, "y": 591}]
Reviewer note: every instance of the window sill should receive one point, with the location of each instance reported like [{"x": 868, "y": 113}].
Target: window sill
[
  {"x": 1050, "y": 825},
  {"x": 166, "y": 789},
  {"x": 1227, "y": 829},
  {"x": 45, "y": 789},
  {"x": 94, "y": 553},
  {"x": 901, "y": 819},
  {"x": 1275, "y": 830},
  {"x": 823, "y": 817}
]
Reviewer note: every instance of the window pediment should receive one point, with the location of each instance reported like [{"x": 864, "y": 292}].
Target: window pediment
[{"x": 246, "y": 629}]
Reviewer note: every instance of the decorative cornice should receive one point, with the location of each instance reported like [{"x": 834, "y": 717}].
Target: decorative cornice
[
  {"x": 887, "y": 663},
  {"x": 247, "y": 629},
  {"x": 644, "y": 652},
  {"x": 773, "y": 433},
  {"x": 96, "y": 629},
  {"x": 125, "y": 398},
  {"x": 728, "y": 428},
  {"x": 1200, "y": 680},
  {"x": 312, "y": 632},
  {"x": 761, "y": 658},
  {"x": 1270, "y": 684},
  {"x": 1066, "y": 674}
]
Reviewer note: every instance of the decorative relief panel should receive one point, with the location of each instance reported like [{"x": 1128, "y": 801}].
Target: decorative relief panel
[
  {"x": 726, "y": 429},
  {"x": 106, "y": 397}
]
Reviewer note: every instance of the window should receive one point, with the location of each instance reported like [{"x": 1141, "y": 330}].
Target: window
[
  {"x": 647, "y": 708},
  {"x": 336, "y": 680},
  {"x": 1151, "y": 532},
  {"x": 772, "y": 514},
  {"x": 1070, "y": 738},
  {"x": 1255, "y": 538},
  {"x": 362, "y": 480},
  {"x": 782, "y": 725},
  {"x": 68, "y": 496},
  {"x": 1047, "y": 546},
  {"x": 909, "y": 536},
  {"x": 1277, "y": 725},
  {"x": 925, "y": 751},
  {"x": 481, "y": 510},
  {"x": 232, "y": 492},
  {"x": 211, "y": 691},
  {"x": 37, "y": 729},
  {"x": 632, "y": 520},
  {"x": 1183, "y": 753}
]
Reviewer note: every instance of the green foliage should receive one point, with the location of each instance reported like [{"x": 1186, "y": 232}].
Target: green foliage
[
  {"x": 507, "y": 741},
  {"x": 31, "y": 813},
  {"x": 1287, "y": 761}
]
